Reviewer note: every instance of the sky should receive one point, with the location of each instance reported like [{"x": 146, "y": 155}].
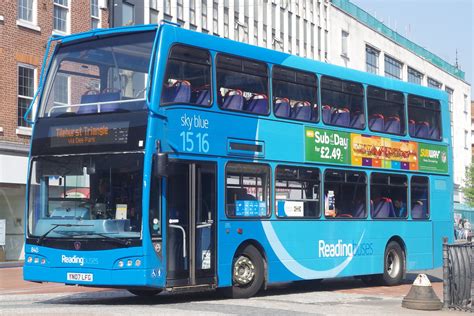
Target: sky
[{"x": 440, "y": 26}]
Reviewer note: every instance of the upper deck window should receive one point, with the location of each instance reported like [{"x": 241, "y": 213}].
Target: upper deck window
[
  {"x": 242, "y": 84},
  {"x": 342, "y": 103},
  {"x": 295, "y": 94},
  {"x": 188, "y": 77},
  {"x": 386, "y": 111},
  {"x": 424, "y": 117},
  {"x": 105, "y": 75}
]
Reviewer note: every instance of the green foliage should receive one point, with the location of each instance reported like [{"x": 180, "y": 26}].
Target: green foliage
[{"x": 468, "y": 188}]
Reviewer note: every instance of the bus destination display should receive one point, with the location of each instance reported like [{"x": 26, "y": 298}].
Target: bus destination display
[{"x": 89, "y": 134}]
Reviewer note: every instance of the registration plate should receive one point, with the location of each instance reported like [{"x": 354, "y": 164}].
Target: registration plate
[{"x": 83, "y": 277}]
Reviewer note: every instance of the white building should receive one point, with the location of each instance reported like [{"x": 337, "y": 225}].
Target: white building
[{"x": 335, "y": 31}]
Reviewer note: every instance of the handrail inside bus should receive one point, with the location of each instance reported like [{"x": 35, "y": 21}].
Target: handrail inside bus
[{"x": 98, "y": 104}]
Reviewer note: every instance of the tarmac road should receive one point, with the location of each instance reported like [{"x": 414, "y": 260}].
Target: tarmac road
[{"x": 330, "y": 297}]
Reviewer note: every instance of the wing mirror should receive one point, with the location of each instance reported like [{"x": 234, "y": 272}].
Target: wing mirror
[{"x": 160, "y": 165}]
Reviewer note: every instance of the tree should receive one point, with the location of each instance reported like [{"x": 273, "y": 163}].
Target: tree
[{"x": 468, "y": 187}]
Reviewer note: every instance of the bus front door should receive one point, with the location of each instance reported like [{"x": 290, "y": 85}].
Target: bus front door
[{"x": 191, "y": 209}]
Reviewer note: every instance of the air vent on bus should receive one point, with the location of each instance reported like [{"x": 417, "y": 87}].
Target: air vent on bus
[{"x": 244, "y": 147}]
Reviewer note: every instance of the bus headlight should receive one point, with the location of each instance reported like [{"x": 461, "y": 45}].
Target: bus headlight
[
  {"x": 43, "y": 261},
  {"x": 29, "y": 260},
  {"x": 36, "y": 259},
  {"x": 129, "y": 262},
  {"x": 138, "y": 262},
  {"x": 120, "y": 264}
]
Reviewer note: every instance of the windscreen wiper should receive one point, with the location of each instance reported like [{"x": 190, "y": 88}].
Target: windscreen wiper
[
  {"x": 42, "y": 237},
  {"x": 115, "y": 239}
]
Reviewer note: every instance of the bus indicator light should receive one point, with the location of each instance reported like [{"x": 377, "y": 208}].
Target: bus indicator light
[{"x": 240, "y": 231}]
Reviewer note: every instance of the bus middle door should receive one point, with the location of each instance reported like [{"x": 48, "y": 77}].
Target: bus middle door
[{"x": 191, "y": 209}]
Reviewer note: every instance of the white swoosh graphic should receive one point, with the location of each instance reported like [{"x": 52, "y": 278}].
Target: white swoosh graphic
[{"x": 296, "y": 268}]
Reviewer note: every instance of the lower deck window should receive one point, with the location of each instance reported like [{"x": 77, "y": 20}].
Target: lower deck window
[
  {"x": 388, "y": 195},
  {"x": 420, "y": 205},
  {"x": 345, "y": 194},
  {"x": 297, "y": 192},
  {"x": 247, "y": 190}
]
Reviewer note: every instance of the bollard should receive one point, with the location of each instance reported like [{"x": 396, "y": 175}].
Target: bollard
[
  {"x": 446, "y": 283},
  {"x": 422, "y": 296}
]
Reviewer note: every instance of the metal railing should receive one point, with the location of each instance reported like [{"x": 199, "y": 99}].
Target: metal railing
[{"x": 458, "y": 280}]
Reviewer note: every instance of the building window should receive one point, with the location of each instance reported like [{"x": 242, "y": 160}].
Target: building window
[
  {"x": 226, "y": 22},
  {"x": 26, "y": 87},
  {"x": 466, "y": 139},
  {"x": 95, "y": 18},
  {"x": 179, "y": 13},
  {"x": 167, "y": 7},
  {"x": 414, "y": 76},
  {"x": 393, "y": 68},
  {"x": 154, "y": 11},
  {"x": 61, "y": 16},
  {"x": 192, "y": 12},
  {"x": 26, "y": 10},
  {"x": 344, "y": 39},
  {"x": 434, "y": 83},
  {"x": 128, "y": 13},
  {"x": 450, "y": 93},
  {"x": 372, "y": 60},
  {"x": 466, "y": 104},
  {"x": 215, "y": 14},
  {"x": 204, "y": 14}
]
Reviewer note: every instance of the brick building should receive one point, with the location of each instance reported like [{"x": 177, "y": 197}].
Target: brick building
[{"x": 25, "y": 26}]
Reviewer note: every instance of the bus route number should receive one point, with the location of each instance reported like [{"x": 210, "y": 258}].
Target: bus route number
[
  {"x": 190, "y": 140},
  {"x": 330, "y": 153}
]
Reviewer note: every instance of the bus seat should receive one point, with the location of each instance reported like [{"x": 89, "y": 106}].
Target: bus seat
[
  {"x": 376, "y": 122},
  {"x": 327, "y": 113},
  {"x": 282, "y": 107},
  {"x": 384, "y": 208},
  {"x": 234, "y": 101},
  {"x": 411, "y": 127},
  {"x": 422, "y": 129},
  {"x": 359, "y": 210},
  {"x": 357, "y": 120},
  {"x": 434, "y": 133},
  {"x": 258, "y": 103},
  {"x": 107, "y": 97},
  {"x": 392, "y": 125},
  {"x": 87, "y": 109},
  {"x": 341, "y": 117},
  {"x": 302, "y": 111},
  {"x": 203, "y": 97},
  {"x": 180, "y": 91},
  {"x": 418, "y": 210}
]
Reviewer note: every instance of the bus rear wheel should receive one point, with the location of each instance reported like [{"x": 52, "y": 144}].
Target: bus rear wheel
[
  {"x": 394, "y": 264},
  {"x": 144, "y": 293},
  {"x": 247, "y": 273}
]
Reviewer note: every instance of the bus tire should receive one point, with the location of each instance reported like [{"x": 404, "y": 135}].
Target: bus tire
[
  {"x": 144, "y": 293},
  {"x": 247, "y": 273},
  {"x": 394, "y": 264}
]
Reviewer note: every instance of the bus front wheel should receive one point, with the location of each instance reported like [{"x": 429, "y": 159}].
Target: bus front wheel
[
  {"x": 247, "y": 273},
  {"x": 394, "y": 264}
]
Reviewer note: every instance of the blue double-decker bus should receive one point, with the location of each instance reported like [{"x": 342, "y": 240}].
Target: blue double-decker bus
[{"x": 165, "y": 159}]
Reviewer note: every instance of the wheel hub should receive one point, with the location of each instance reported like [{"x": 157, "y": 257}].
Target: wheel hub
[
  {"x": 244, "y": 271},
  {"x": 393, "y": 263}
]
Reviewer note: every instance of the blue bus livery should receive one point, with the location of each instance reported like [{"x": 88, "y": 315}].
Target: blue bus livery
[{"x": 162, "y": 158}]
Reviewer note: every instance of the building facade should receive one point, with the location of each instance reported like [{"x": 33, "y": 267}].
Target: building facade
[
  {"x": 25, "y": 26},
  {"x": 333, "y": 31}
]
